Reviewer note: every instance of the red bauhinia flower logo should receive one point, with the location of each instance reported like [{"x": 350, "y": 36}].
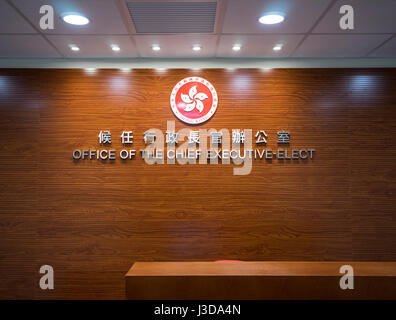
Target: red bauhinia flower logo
[{"x": 194, "y": 100}]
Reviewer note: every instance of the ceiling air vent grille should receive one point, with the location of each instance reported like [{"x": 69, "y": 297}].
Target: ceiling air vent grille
[{"x": 173, "y": 17}]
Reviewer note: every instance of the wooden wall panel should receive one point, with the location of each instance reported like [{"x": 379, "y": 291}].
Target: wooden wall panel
[{"x": 90, "y": 220}]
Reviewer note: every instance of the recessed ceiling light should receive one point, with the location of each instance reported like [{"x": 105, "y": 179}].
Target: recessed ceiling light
[
  {"x": 75, "y": 19},
  {"x": 236, "y": 47},
  {"x": 272, "y": 18},
  {"x": 74, "y": 47},
  {"x": 277, "y": 47},
  {"x": 196, "y": 48},
  {"x": 156, "y": 47},
  {"x": 114, "y": 47}
]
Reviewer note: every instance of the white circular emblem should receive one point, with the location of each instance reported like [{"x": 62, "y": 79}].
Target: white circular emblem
[{"x": 193, "y": 100}]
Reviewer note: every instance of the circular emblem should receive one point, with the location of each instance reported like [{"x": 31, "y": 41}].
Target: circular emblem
[{"x": 194, "y": 100}]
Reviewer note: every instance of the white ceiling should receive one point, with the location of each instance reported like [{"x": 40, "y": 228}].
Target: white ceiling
[{"x": 310, "y": 30}]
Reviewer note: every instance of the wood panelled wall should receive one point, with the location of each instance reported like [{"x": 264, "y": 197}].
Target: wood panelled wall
[{"x": 91, "y": 220}]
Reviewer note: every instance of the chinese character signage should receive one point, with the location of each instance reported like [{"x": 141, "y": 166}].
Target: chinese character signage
[{"x": 194, "y": 100}]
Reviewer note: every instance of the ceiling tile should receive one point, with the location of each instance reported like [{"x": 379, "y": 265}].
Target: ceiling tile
[
  {"x": 323, "y": 46},
  {"x": 257, "y": 45},
  {"x": 11, "y": 21},
  {"x": 242, "y": 16},
  {"x": 94, "y": 46},
  {"x": 176, "y": 45},
  {"x": 388, "y": 50},
  {"x": 104, "y": 15},
  {"x": 370, "y": 16},
  {"x": 26, "y": 46}
]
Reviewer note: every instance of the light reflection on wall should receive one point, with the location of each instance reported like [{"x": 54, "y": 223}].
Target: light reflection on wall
[
  {"x": 13, "y": 90},
  {"x": 161, "y": 70},
  {"x": 126, "y": 70},
  {"x": 3, "y": 85},
  {"x": 119, "y": 83},
  {"x": 241, "y": 82},
  {"x": 364, "y": 90},
  {"x": 363, "y": 83},
  {"x": 90, "y": 70}
]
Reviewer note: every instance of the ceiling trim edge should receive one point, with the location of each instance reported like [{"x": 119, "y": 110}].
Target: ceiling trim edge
[{"x": 148, "y": 63}]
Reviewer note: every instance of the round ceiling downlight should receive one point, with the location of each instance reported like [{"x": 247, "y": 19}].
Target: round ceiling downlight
[
  {"x": 272, "y": 18},
  {"x": 75, "y": 19}
]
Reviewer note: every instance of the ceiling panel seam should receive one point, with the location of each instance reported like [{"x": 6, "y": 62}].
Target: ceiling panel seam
[
  {"x": 34, "y": 27},
  {"x": 380, "y": 45},
  {"x": 127, "y": 20},
  {"x": 330, "y": 5}
]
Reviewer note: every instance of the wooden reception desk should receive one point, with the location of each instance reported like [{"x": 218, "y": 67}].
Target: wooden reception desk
[{"x": 258, "y": 280}]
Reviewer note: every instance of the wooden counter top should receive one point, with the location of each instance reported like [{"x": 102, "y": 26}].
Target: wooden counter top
[
  {"x": 258, "y": 280},
  {"x": 259, "y": 268}
]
